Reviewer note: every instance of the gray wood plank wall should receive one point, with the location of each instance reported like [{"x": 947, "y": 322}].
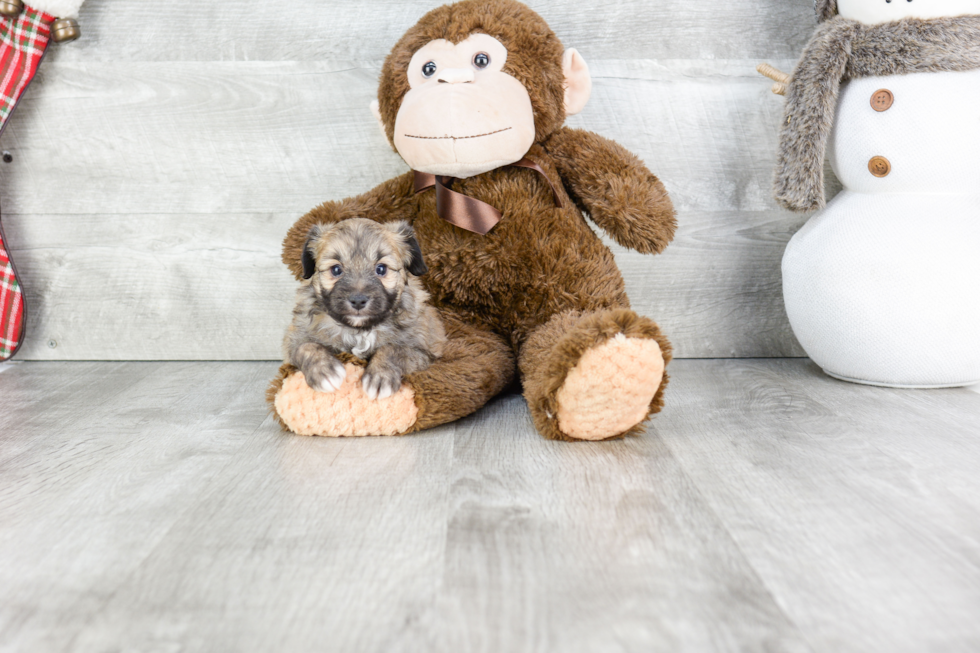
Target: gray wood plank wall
[{"x": 159, "y": 161}]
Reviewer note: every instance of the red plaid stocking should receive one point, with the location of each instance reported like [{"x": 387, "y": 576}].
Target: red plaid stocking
[
  {"x": 12, "y": 311},
  {"x": 23, "y": 40}
]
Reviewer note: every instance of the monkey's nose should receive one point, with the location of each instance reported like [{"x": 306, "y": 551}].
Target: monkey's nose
[
  {"x": 456, "y": 76},
  {"x": 358, "y": 302}
]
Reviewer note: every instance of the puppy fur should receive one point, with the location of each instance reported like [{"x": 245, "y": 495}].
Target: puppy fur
[{"x": 360, "y": 296}]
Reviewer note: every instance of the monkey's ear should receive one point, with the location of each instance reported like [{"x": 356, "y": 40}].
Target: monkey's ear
[
  {"x": 578, "y": 81},
  {"x": 376, "y": 112},
  {"x": 309, "y": 259},
  {"x": 416, "y": 265}
]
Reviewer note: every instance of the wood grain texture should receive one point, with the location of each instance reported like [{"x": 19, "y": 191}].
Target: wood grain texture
[
  {"x": 551, "y": 547},
  {"x": 846, "y": 500},
  {"x": 159, "y": 247},
  {"x": 165, "y": 287},
  {"x": 199, "y": 132},
  {"x": 260, "y": 137},
  {"x": 313, "y": 30},
  {"x": 111, "y": 456},
  {"x": 190, "y": 287},
  {"x": 768, "y": 508}
]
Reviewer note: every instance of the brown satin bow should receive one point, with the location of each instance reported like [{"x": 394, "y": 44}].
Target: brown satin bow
[{"x": 467, "y": 212}]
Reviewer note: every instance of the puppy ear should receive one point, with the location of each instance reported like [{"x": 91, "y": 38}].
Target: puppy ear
[
  {"x": 416, "y": 264},
  {"x": 309, "y": 258}
]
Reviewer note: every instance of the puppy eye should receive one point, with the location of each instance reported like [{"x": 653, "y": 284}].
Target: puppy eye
[
  {"x": 481, "y": 60},
  {"x": 336, "y": 271},
  {"x": 429, "y": 69},
  {"x": 381, "y": 270}
]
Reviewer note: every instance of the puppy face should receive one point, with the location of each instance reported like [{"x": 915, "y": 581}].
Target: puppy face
[{"x": 358, "y": 268}]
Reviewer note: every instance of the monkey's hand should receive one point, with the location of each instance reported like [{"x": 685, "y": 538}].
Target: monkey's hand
[
  {"x": 323, "y": 371},
  {"x": 389, "y": 202},
  {"x": 612, "y": 185}
]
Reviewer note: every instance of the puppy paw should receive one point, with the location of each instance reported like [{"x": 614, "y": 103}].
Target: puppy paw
[
  {"x": 381, "y": 384},
  {"x": 325, "y": 375}
]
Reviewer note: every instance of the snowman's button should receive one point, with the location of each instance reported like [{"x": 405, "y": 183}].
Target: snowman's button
[
  {"x": 879, "y": 166},
  {"x": 882, "y": 100}
]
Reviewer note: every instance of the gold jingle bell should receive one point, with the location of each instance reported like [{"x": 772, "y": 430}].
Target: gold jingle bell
[
  {"x": 11, "y": 8},
  {"x": 63, "y": 30}
]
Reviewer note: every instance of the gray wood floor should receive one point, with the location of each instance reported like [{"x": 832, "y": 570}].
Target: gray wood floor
[{"x": 156, "y": 507}]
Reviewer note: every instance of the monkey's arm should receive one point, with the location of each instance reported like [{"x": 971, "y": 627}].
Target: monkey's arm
[
  {"x": 612, "y": 185},
  {"x": 393, "y": 200}
]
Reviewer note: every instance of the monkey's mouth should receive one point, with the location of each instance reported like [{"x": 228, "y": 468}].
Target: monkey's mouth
[{"x": 457, "y": 138}]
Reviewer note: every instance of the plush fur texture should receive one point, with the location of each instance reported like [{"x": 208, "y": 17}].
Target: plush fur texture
[
  {"x": 541, "y": 288},
  {"x": 476, "y": 365},
  {"x": 58, "y": 8},
  {"x": 343, "y": 413},
  {"x": 554, "y": 351},
  {"x": 610, "y": 388},
  {"x": 843, "y": 49},
  {"x": 397, "y": 331},
  {"x": 826, "y": 9},
  {"x": 534, "y": 56}
]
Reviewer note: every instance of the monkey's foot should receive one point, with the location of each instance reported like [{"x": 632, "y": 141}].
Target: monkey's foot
[
  {"x": 346, "y": 412},
  {"x": 611, "y": 388}
]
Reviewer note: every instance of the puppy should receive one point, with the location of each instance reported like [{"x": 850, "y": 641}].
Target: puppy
[{"x": 360, "y": 295}]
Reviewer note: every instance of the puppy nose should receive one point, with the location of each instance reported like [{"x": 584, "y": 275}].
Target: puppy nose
[
  {"x": 358, "y": 301},
  {"x": 456, "y": 76}
]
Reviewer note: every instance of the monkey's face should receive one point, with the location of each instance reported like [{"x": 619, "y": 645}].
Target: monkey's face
[
  {"x": 358, "y": 269},
  {"x": 463, "y": 115},
  {"x": 882, "y": 11},
  {"x": 474, "y": 84}
]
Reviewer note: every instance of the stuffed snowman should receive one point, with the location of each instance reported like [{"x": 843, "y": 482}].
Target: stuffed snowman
[{"x": 883, "y": 286}]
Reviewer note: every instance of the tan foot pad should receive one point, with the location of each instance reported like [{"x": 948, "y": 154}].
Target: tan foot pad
[
  {"x": 610, "y": 389},
  {"x": 346, "y": 412}
]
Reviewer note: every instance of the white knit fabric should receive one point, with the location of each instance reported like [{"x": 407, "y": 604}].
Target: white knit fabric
[
  {"x": 930, "y": 134},
  {"x": 57, "y": 8},
  {"x": 883, "y": 286},
  {"x": 879, "y": 11}
]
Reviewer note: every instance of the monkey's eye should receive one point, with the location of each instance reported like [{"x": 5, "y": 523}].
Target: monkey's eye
[
  {"x": 481, "y": 60},
  {"x": 429, "y": 69},
  {"x": 381, "y": 270},
  {"x": 336, "y": 271}
]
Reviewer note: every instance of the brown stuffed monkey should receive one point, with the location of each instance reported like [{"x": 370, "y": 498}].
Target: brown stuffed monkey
[{"x": 474, "y": 98}]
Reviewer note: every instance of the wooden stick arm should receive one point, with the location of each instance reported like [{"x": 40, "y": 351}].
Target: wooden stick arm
[{"x": 780, "y": 78}]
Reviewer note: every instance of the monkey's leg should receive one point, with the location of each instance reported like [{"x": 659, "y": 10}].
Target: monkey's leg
[
  {"x": 594, "y": 376},
  {"x": 476, "y": 365}
]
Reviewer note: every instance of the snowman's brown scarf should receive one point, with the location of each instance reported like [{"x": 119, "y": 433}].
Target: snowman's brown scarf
[{"x": 842, "y": 49}]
